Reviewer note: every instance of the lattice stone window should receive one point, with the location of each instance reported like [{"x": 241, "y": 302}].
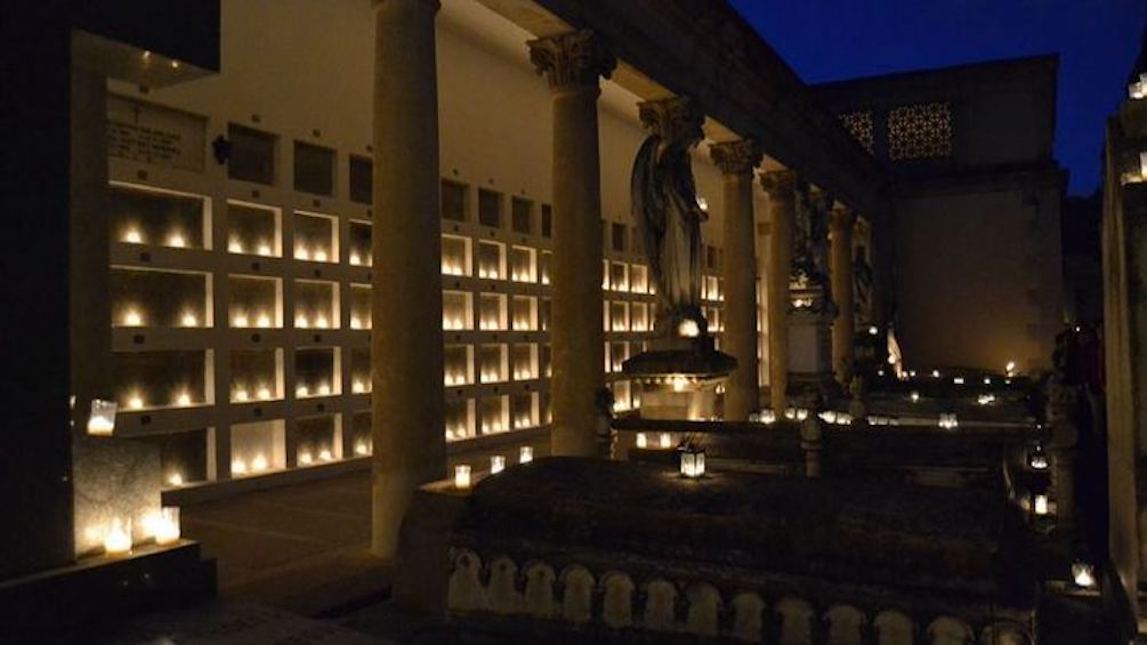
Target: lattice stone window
[
  {"x": 921, "y": 131},
  {"x": 859, "y": 124}
]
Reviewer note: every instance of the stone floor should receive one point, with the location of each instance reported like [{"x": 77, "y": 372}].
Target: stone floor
[{"x": 300, "y": 548}]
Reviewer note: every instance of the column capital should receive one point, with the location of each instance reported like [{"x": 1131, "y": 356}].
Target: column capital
[
  {"x": 779, "y": 184},
  {"x": 842, "y": 217},
  {"x": 738, "y": 157},
  {"x": 573, "y": 59},
  {"x": 677, "y": 118}
]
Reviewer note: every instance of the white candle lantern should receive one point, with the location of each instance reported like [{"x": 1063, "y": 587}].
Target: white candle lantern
[
  {"x": 642, "y": 441},
  {"x": 1040, "y": 504},
  {"x": 665, "y": 441},
  {"x": 102, "y": 419},
  {"x": 525, "y": 454},
  {"x": 1083, "y": 575},
  {"x": 497, "y": 464},
  {"x": 462, "y": 477},
  {"x": 1038, "y": 458},
  {"x": 692, "y": 462},
  {"x": 117, "y": 539},
  {"x": 166, "y": 527}
]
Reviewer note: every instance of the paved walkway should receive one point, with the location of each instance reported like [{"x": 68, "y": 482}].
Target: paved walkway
[{"x": 302, "y": 548}]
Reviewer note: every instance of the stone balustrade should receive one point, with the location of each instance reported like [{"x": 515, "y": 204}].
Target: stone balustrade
[{"x": 611, "y": 600}]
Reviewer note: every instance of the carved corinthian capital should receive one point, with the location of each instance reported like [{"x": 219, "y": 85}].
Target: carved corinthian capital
[
  {"x": 574, "y": 59},
  {"x": 779, "y": 184},
  {"x": 736, "y": 157},
  {"x": 675, "y": 119}
]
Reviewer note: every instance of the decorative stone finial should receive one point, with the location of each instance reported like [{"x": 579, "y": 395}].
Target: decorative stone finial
[
  {"x": 738, "y": 157},
  {"x": 573, "y": 59},
  {"x": 677, "y": 119},
  {"x": 779, "y": 184}
]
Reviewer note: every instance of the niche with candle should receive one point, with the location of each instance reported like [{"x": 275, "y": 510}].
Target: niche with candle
[
  {"x": 544, "y": 309},
  {"x": 545, "y": 261},
  {"x": 160, "y": 218},
  {"x": 547, "y": 408},
  {"x": 254, "y": 230},
  {"x": 492, "y": 363},
  {"x": 523, "y": 261},
  {"x": 185, "y": 457},
  {"x": 360, "y": 306},
  {"x": 358, "y": 239},
  {"x": 456, "y": 255},
  {"x": 256, "y": 375},
  {"x": 492, "y": 311},
  {"x": 524, "y": 410},
  {"x": 457, "y": 310},
  {"x": 619, "y": 276},
  {"x": 255, "y": 302},
  {"x": 316, "y": 304},
  {"x": 317, "y": 372},
  {"x": 316, "y": 238},
  {"x": 618, "y": 352},
  {"x": 319, "y": 440},
  {"x": 459, "y": 365},
  {"x": 362, "y": 442},
  {"x": 150, "y": 298},
  {"x": 162, "y": 379},
  {"x": 459, "y": 419},
  {"x": 258, "y": 448},
  {"x": 491, "y": 260},
  {"x": 525, "y": 361},
  {"x": 545, "y": 364},
  {"x": 525, "y": 313},
  {"x": 360, "y": 382},
  {"x": 619, "y": 315},
  {"x": 638, "y": 278},
  {"x": 494, "y": 414},
  {"x": 713, "y": 316},
  {"x": 606, "y": 321},
  {"x": 621, "y": 393},
  {"x": 638, "y": 317}
]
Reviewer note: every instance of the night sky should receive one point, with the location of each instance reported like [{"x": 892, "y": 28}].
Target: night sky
[{"x": 1097, "y": 40}]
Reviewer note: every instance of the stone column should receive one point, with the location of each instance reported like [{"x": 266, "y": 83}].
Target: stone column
[
  {"x": 780, "y": 186},
  {"x": 573, "y": 63},
  {"x": 737, "y": 159},
  {"x": 840, "y": 267},
  {"x": 406, "y": 352}
]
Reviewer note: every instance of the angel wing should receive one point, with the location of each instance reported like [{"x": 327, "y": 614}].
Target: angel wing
[{"x": 647, "y": 202}]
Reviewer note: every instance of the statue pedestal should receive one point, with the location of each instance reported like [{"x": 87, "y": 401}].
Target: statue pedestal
[
  {"x": 810, "y": 350},
  {"x": 679, "y": 378}
]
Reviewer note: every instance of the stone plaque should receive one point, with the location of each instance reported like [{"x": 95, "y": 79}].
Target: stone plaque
[{"x": 155, "y": 135}]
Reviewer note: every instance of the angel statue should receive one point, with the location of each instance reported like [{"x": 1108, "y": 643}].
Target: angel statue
[{"x": 668, "y": 216}]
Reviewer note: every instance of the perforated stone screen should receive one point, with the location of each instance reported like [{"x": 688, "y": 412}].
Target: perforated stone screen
[
  {"x": 859, "y": 124},
  {"x": 921, "y": 131}
]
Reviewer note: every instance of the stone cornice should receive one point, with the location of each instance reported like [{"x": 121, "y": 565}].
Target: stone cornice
[
  {"x": 678, "y": 118},
  {"x": 738, "y": 157},
  {"x": 779, "y": 184},
  {"x": 573, "y": 59}
]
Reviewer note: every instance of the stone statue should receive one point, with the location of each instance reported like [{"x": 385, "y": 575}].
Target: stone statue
[{"x": 664, "y": 203}]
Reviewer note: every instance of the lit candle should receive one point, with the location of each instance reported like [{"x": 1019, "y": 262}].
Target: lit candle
[
  {"x": 1041, "y": 506},
  {"x": 1083, "y": 575},
  {"x": 361, "y": 448},
  {"x": 264, "y": 321},
  {"x": 132, "y": 318},
  {"x": 175, "y": 479},
  {"x": 239, "y": 320},
  {"x": 183, "y": 400},
  {"x": 324, "y": 389},
  {"x": 234, "y": 245},
  {"x": 462, "y": 477},
  {"x": 301, "y": 321},
  {"x": 642, "y": 441},
  {"x": 102, "y": 419},
  {"x": 321, "y": 322},
  {"x": 355, "y": 323},
  {"x": 259, "y": 463},
  {"x": 238, "y": 467},
  {"x": 264, "y": 249},
  {"x": 497, "y": 464},
  {"x": 189, "y": 319},
  {"x": 320, "y": 256},
  {"x": 240, "y": 395},
  {"x": 302, "y": 390},
  {"x": 163, "y": 526},
  {"x": 325, "y": 455},
  {"x": 355, "y": 259},
  {"x": 117, "y": 539},
  {"x": 264, "y": 392},
  {"x": 301, "y": 253},
  {"x": 176, "y": 240},
  {"x": 135, "y": 401},
  {"x": 305, "y": 458},
  {"x": 665, "y": 440},
  {"x": 133, "y": 236}
]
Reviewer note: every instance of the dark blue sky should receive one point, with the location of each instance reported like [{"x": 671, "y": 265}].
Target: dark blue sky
[{"x": 1097, "y": 40}]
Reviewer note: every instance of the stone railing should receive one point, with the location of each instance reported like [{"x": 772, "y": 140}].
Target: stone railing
[{"x": 575, "y": 598}]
